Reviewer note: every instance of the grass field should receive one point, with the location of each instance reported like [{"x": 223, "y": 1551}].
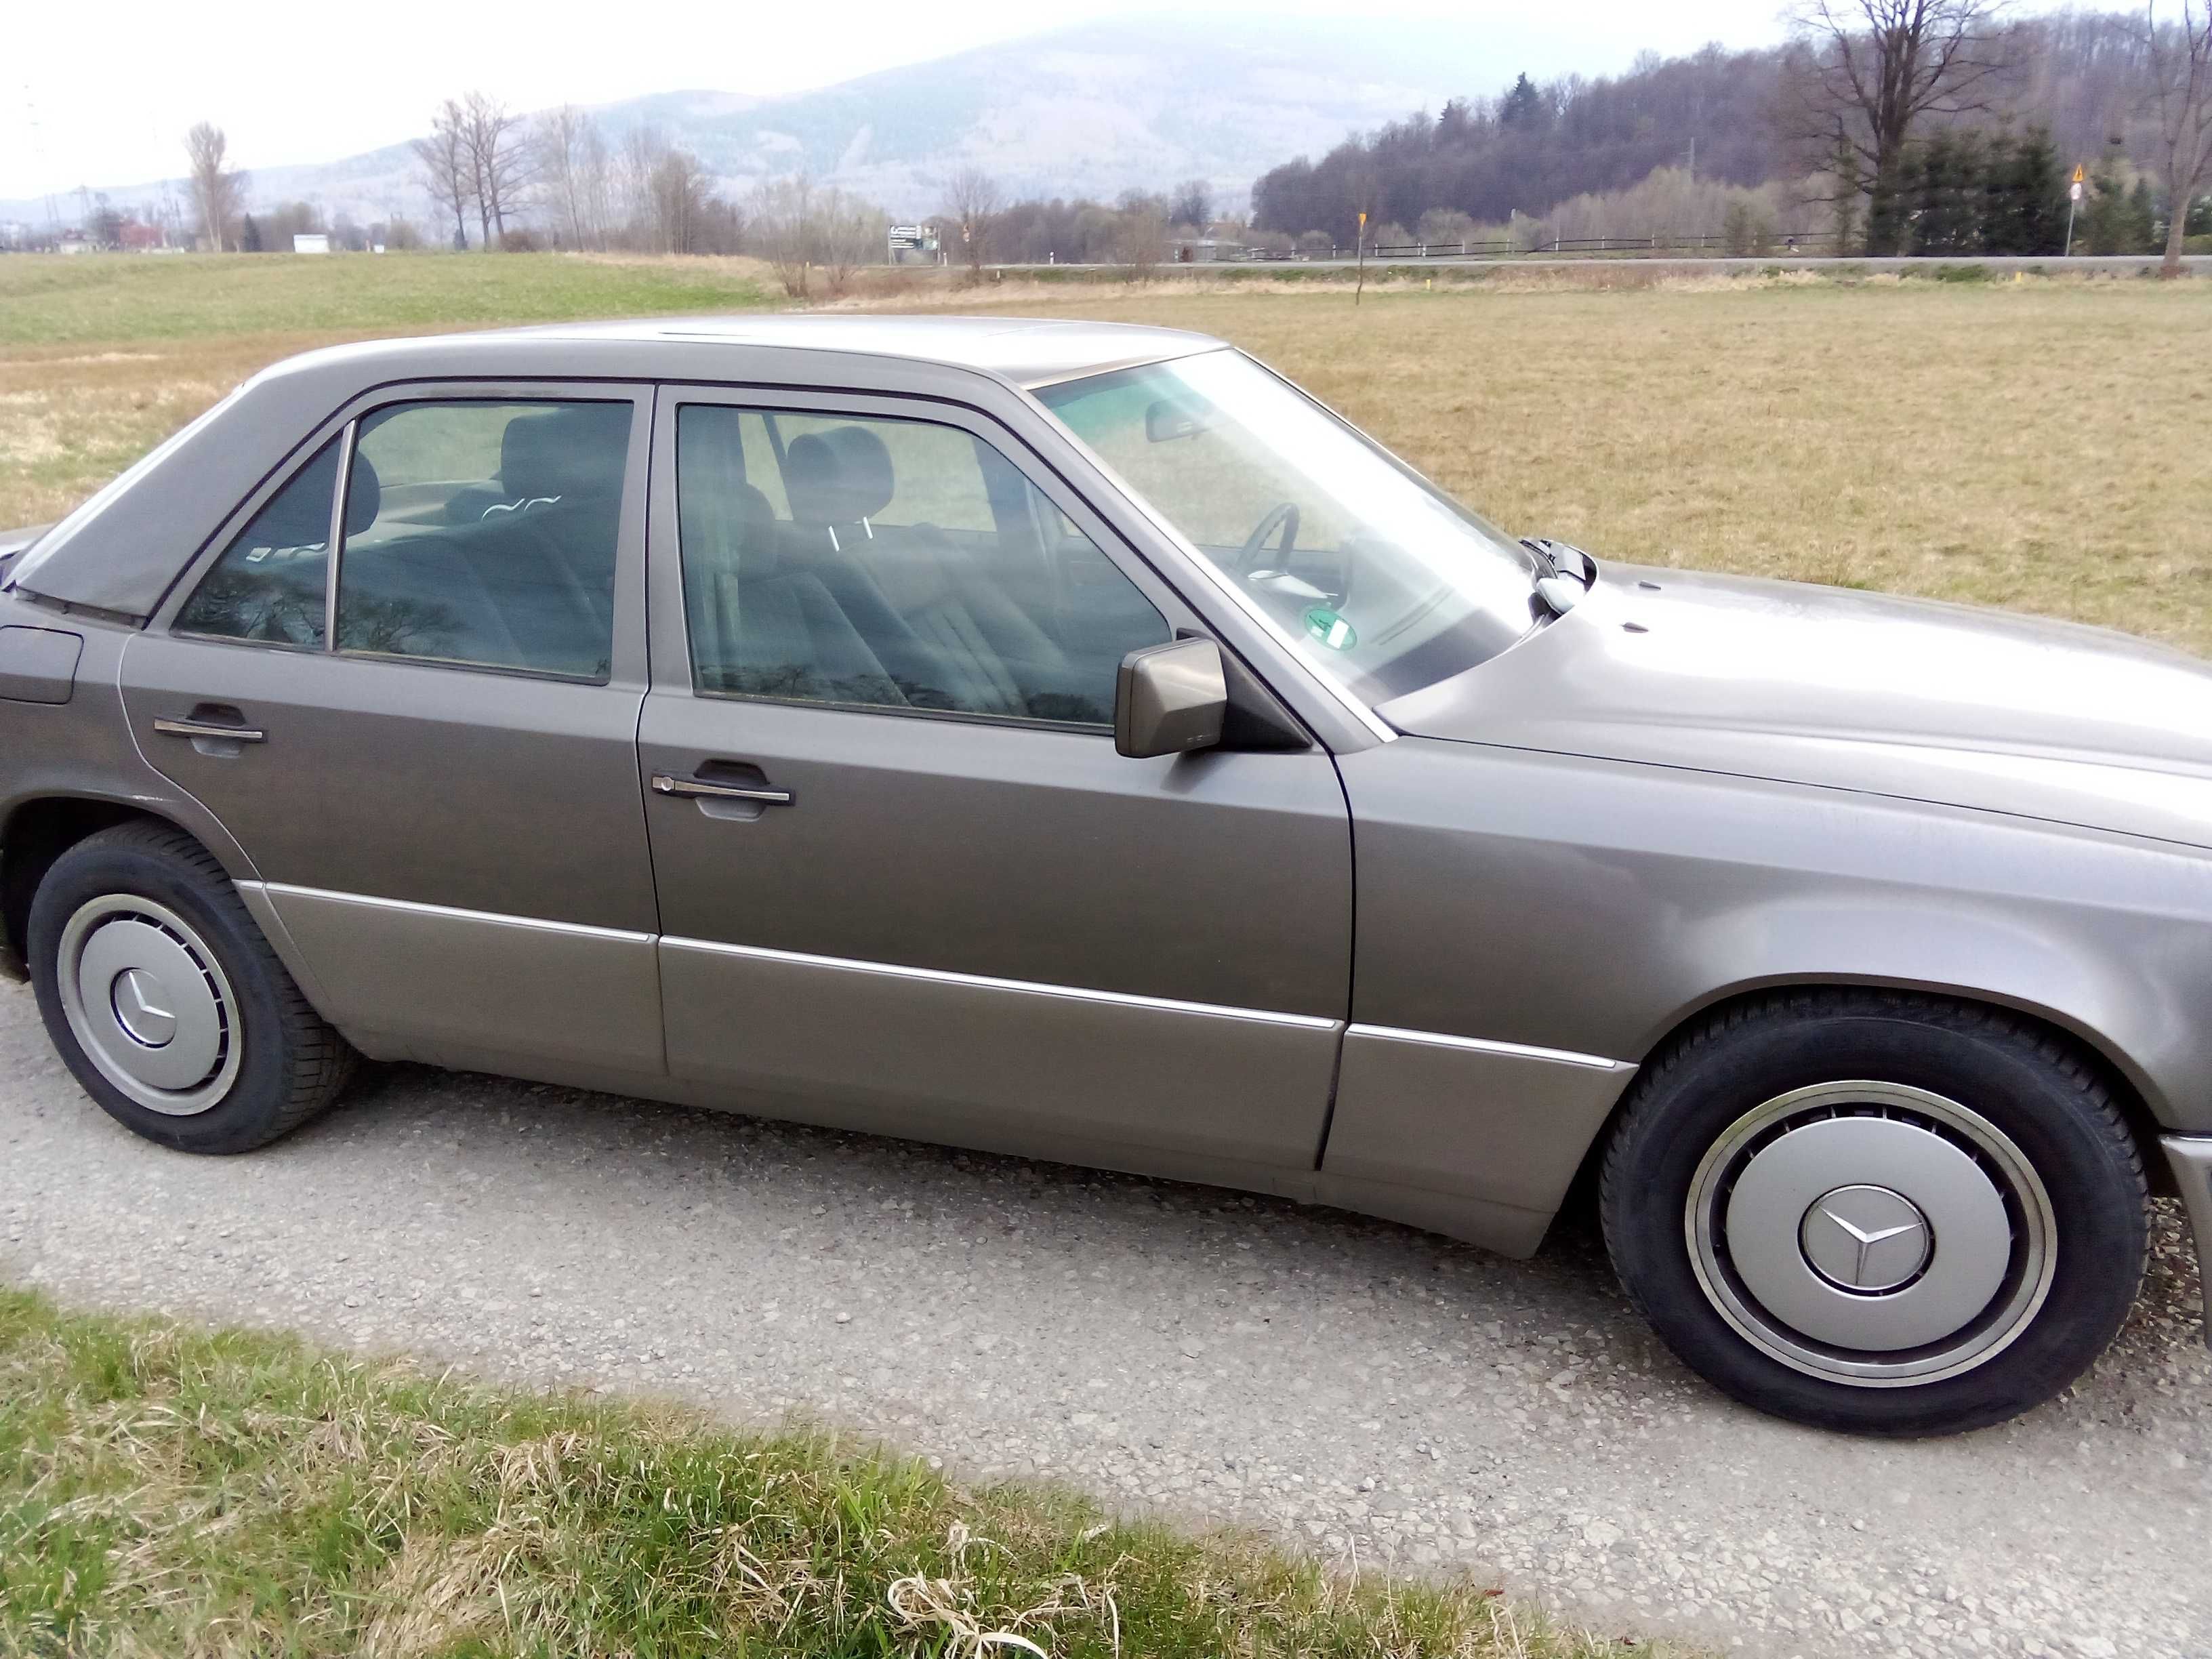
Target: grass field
[
  {"x": 168, "y": 1491},
  {"x": 2039, "y": 444}
]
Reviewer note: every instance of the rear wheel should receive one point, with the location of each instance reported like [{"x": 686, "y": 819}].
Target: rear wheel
[
  {"x": 166, "y": 1001},
  {"x": 1878, "y": 1212}
]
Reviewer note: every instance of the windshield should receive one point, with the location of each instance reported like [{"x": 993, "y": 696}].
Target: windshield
[{"x": 1381, "y": 581}]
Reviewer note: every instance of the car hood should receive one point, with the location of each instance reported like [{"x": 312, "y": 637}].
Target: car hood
[{"x": 1842, "y": 689}]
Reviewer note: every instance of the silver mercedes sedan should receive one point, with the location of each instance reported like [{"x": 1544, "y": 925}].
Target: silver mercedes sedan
[{"x": 1074, "y": 741}]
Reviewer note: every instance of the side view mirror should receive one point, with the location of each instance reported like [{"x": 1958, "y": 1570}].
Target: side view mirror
[{"x": 1169, "y": 699}]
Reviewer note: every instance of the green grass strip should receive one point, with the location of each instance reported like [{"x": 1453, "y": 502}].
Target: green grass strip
[{"x": 166, "y": 1489}]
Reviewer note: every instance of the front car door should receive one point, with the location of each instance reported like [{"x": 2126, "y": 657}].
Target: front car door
[
  {"x": 906, "y": 883},
  {"x": 431, "y": 760}
]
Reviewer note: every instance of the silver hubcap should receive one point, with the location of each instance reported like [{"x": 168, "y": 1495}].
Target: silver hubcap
[
  {"x": 150, "y": 1005},
  {"x": 1871, "y": 1233}
]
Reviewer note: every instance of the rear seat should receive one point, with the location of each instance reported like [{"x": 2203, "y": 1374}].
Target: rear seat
[{"x": 528, "y": 587}]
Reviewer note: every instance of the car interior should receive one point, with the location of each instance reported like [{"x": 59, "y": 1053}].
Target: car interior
[
  {"x": 825, "y": 602},
  {"x": 827, "y": 585},
  {"x": 516, "y": 572}
]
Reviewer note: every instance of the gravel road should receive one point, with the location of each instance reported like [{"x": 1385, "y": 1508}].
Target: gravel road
[{"x": 1349, "y": 1384}]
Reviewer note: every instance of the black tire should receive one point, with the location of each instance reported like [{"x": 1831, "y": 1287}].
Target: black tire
[
  {"x": 290, "y": 1065},
  {"x": 2039, "y": 1091}
]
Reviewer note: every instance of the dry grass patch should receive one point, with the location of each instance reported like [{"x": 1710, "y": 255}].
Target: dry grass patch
[
  {"x": 2041, "y": 445},
  {"x": 167, "y": 1490}
]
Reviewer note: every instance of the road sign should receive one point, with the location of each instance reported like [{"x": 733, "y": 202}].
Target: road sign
[
  {"x": 2080, "y": 174},
  {"x": 2073, "y": 190}
]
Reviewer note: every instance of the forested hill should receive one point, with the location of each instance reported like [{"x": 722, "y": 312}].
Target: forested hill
[
  {"x": 1536, "y": 146},
  {"x": 1533, "y": 146}
]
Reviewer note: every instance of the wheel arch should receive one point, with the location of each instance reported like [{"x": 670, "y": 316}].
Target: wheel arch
[
  {"x": 37, "y": 832},
  {"x": 2132, "y": 1088}
]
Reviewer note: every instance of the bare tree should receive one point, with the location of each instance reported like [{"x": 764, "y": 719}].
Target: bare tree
[
  {"x": 972, "y": 202},
  {"x": 573, "y": 168},
  {"x": 852, "y": 233},
  {"x": 500, "y": 161},
  {"x": 217, "y": 190},
  {"x": 681, "y": 199},
  {"x": 2181, "y": 88},
  {"x": 635, "y": 164},
  {"x": 1141, "y": 244},
  {"x": 779, "y": 226},
  {"x": 1865, "y": 71},
  {"x": 446, "y": 174}
]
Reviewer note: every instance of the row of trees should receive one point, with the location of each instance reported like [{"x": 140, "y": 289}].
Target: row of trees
[
  {"x": 1908, "y": 122},
  {"x": 1962, "y": 190},
  {"x": 1138, "y": 231},
  {"x": 1853, "y": 111},
  {"x": 1882, "y": 88},
  {"x": 556, "y": 178}
]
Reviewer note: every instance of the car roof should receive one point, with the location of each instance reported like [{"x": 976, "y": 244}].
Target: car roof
[{"x": 1030, "y": 351}]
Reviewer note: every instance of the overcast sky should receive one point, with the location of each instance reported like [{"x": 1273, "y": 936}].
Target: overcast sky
[{"x": 101, "y": 92}]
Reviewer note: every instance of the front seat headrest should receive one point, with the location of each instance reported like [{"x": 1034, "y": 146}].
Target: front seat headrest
[
  {"x": 865, "y": 464},
  {"x": 581, "y": 449},
  {"x": 839, "y": 477},
  {"x": 812, "y": 480}
]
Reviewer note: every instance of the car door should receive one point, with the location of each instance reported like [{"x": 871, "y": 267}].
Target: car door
[
  {"x": 416, "y": 713},
  {"x": 906, "y": 883}
]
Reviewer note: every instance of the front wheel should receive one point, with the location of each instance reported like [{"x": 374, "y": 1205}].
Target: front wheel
[
  {"x": 166, "y": 1001},
  {"x": 1877, "y": 1212}
]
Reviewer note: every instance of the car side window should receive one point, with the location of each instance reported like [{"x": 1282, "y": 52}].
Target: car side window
[
  {"x": 268, "y": 585},
  {"x": 896, "y": 564},
  {"x": 483, "y": 534}
]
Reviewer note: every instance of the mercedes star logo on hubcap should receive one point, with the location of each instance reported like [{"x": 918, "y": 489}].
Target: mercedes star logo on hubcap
[
  {"x": 1863, "y": 1238},
  {"x": 140, "y": 1008}
]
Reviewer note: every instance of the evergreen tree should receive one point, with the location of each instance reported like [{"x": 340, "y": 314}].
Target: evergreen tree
[
  {"x": 1888, "y": 202},
  {"x": 2139, "y": 221},
  {"x": 1944, "y": 187},
  {"x": 2036, "y": 212},
  {"x": 1523, "y": 105},
  {"x": 1844, "y": 170},
  {"x": 2101, "y": 229},
  {"x": 249, "y": 236}
]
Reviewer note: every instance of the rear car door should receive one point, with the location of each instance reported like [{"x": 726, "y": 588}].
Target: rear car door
[
  {"x": 906, "y": 883},
  {"x": 406, "y": 678}
]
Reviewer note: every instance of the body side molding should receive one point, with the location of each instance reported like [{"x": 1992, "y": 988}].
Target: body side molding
[
  {"x": 1490, "y": 1046},
  {"x": 1019, "y": 987}
]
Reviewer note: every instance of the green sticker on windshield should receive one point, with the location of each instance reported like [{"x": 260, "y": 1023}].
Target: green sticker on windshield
[{"x": 1330, "y": 628}]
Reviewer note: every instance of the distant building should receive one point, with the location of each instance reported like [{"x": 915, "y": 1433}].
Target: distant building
[
  {"x": 320, "y": 242},
  {"x": 1205, "y": 250}
]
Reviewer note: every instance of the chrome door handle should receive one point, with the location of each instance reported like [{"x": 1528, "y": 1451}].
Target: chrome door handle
[
  {"x": 697, "y": 788},
  {"x": 210, "y": 729}
]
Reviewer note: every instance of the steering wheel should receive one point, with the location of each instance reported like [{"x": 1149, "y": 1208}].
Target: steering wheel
[{"x": 1283, "y": 515}]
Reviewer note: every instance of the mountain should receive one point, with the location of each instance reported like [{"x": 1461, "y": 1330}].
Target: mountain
[{"x": 1094, "y": 109}]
